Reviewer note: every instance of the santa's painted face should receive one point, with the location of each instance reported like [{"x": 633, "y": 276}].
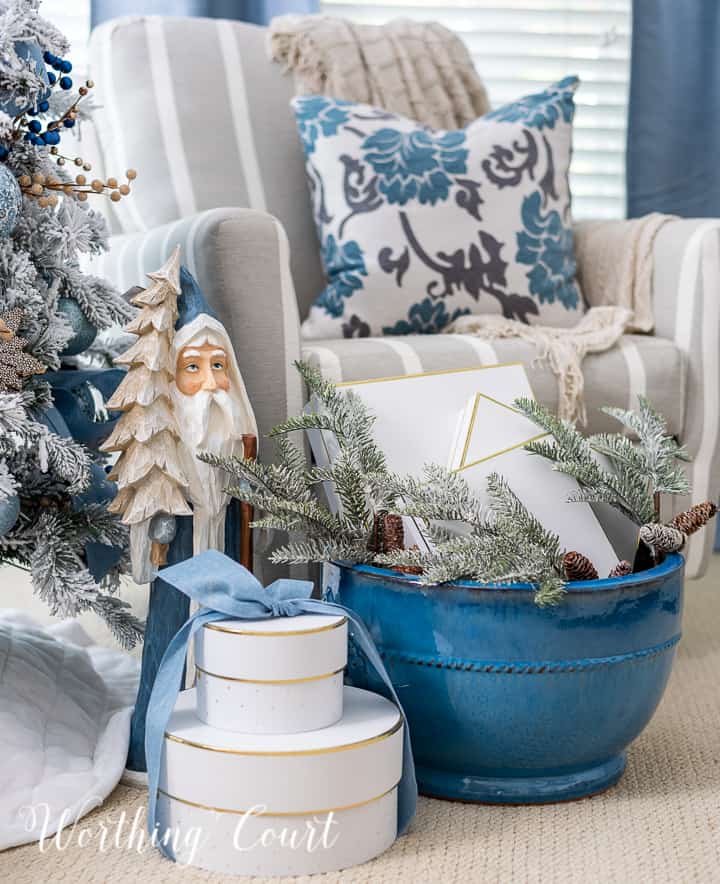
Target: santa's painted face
[{"x": 202, "y": 367}]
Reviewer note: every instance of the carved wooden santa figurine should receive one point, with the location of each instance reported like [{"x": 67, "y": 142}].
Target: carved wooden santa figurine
[
  {"x": 211, "y": 407},
  {"x": 183, "y": 394}
]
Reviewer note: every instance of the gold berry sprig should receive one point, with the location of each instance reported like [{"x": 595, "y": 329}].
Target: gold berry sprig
[{"x": 46, "y": 188}]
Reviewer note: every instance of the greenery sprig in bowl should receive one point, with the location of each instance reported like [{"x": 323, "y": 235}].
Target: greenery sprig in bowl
[{"x": 331, "y": 512}]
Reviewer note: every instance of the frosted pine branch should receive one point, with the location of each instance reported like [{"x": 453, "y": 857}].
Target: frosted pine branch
[
  {"x": 62, "y": 581},
  {"x": 438, "y": 495},
  {"x": 8, "y": 484},
  {"x": 625, "y": 488},
  {"x": 507, "y": 545},
  {"x": 300, "y": 552},
  {"x": 291, "y": 455},
  {"x": 126, "y": 628},
  {"x": 302, "y": 422},
  {"x": 68, "y": 460},
  {"x": 13, "y": 416},
  {"x": 510, "y": 511},
  {"x": 659, "y": 452}
]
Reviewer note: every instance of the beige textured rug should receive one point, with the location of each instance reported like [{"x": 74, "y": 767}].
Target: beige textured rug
[{"x": 660, "y": 824}]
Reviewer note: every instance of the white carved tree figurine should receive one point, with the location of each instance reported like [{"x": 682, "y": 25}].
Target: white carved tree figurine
[{"x": 150, "y": 479}]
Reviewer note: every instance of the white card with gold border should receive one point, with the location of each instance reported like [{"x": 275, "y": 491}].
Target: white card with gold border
[
  {"x": 416, "y": 416},
  {"x": 490, "y": 439}
]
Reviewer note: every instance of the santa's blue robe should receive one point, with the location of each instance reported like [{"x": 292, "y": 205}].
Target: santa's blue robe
[{"x": 168, "y": 610}]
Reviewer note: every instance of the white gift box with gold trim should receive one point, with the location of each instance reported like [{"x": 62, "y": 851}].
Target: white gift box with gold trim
[
  {"x": 250, "y": 804},
  {"x": 275, "y": 676}
]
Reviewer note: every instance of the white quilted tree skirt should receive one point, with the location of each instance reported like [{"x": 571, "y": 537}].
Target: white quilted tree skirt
[{"x": 65, "y": 708}]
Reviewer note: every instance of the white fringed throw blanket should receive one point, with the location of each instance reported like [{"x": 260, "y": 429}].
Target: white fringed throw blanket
[
  {"x": 424, "y": 72},
  {"x": 614, "y": 261},
  {"x": 562, "y": 348}
]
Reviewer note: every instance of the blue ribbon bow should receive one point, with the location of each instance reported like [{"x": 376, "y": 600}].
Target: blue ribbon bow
[{"x": 226, "y": 589}]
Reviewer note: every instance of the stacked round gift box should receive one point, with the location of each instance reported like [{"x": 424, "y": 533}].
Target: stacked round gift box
[{"x": 271, "y": 766}]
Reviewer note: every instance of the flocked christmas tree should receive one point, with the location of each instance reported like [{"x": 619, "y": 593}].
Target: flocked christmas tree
[
  {"x": 148, "y": 473},
  {"x": 50, "y": 516}
]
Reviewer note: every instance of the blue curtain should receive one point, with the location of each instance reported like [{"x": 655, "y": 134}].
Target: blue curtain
[
  {"x": 673, "y": 149},
  {"x": 257, "y": 12}
]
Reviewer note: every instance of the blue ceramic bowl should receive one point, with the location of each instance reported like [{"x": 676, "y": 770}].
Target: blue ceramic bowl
[{"x": 510, "y": 703}]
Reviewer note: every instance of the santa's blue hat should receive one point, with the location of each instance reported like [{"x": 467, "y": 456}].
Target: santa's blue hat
[{"x": 191, "y": 301}]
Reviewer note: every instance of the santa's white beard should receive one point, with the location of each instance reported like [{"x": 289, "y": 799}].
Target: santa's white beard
[{"x": 207, "y": 421}]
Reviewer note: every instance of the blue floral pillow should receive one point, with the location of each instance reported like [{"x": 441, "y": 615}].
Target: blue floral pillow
[{"x": 419, "y": 226}]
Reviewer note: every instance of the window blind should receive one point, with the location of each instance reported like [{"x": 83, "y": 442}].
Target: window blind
[
  {"x": 72, "y": 18},
  {"x": 521, "y": 46}
]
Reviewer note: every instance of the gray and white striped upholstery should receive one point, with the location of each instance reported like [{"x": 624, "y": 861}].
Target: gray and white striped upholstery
[
  {"x": 197, "y": 108},
  {"x": 686, "y": 296},
  {"x": 641, "y": 365}
]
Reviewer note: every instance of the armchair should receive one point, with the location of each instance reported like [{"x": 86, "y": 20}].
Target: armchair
[{"x": 209, "y": 127}]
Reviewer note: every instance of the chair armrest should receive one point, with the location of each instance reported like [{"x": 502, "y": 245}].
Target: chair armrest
[
  {"x": 240, "y": 258},
  {"x": 686, "y": 303}
]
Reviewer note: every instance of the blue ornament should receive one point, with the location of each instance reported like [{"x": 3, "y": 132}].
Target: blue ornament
[
  {"x": 51, "y": 78},
  {"x": 65, "y": 66},
  {"x": 65, "y": 83},
  {"x": 9, "y": 512},
  {"x": 43, "y": 106},
  {"x": 29, "y": 51},
  {"x": 84, "y": 332},
  {"x": 68, "y": 123},
  {"x": 51, "y": 137},
  {"x": 10, "y": 202},
  {"x": 35, "y": 126}
]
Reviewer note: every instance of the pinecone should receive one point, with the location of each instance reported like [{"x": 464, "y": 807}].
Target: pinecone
[
  {"x": 694, "y": 518},
  {"x": 578, "y": 567},
  {"x": 387, "y": 533},
  {"x": 394, "y": 533},
  {"x": 375, "y": 541},
  {"x": 622, "y": 569},
  {"x": 662, "y": 538}
]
